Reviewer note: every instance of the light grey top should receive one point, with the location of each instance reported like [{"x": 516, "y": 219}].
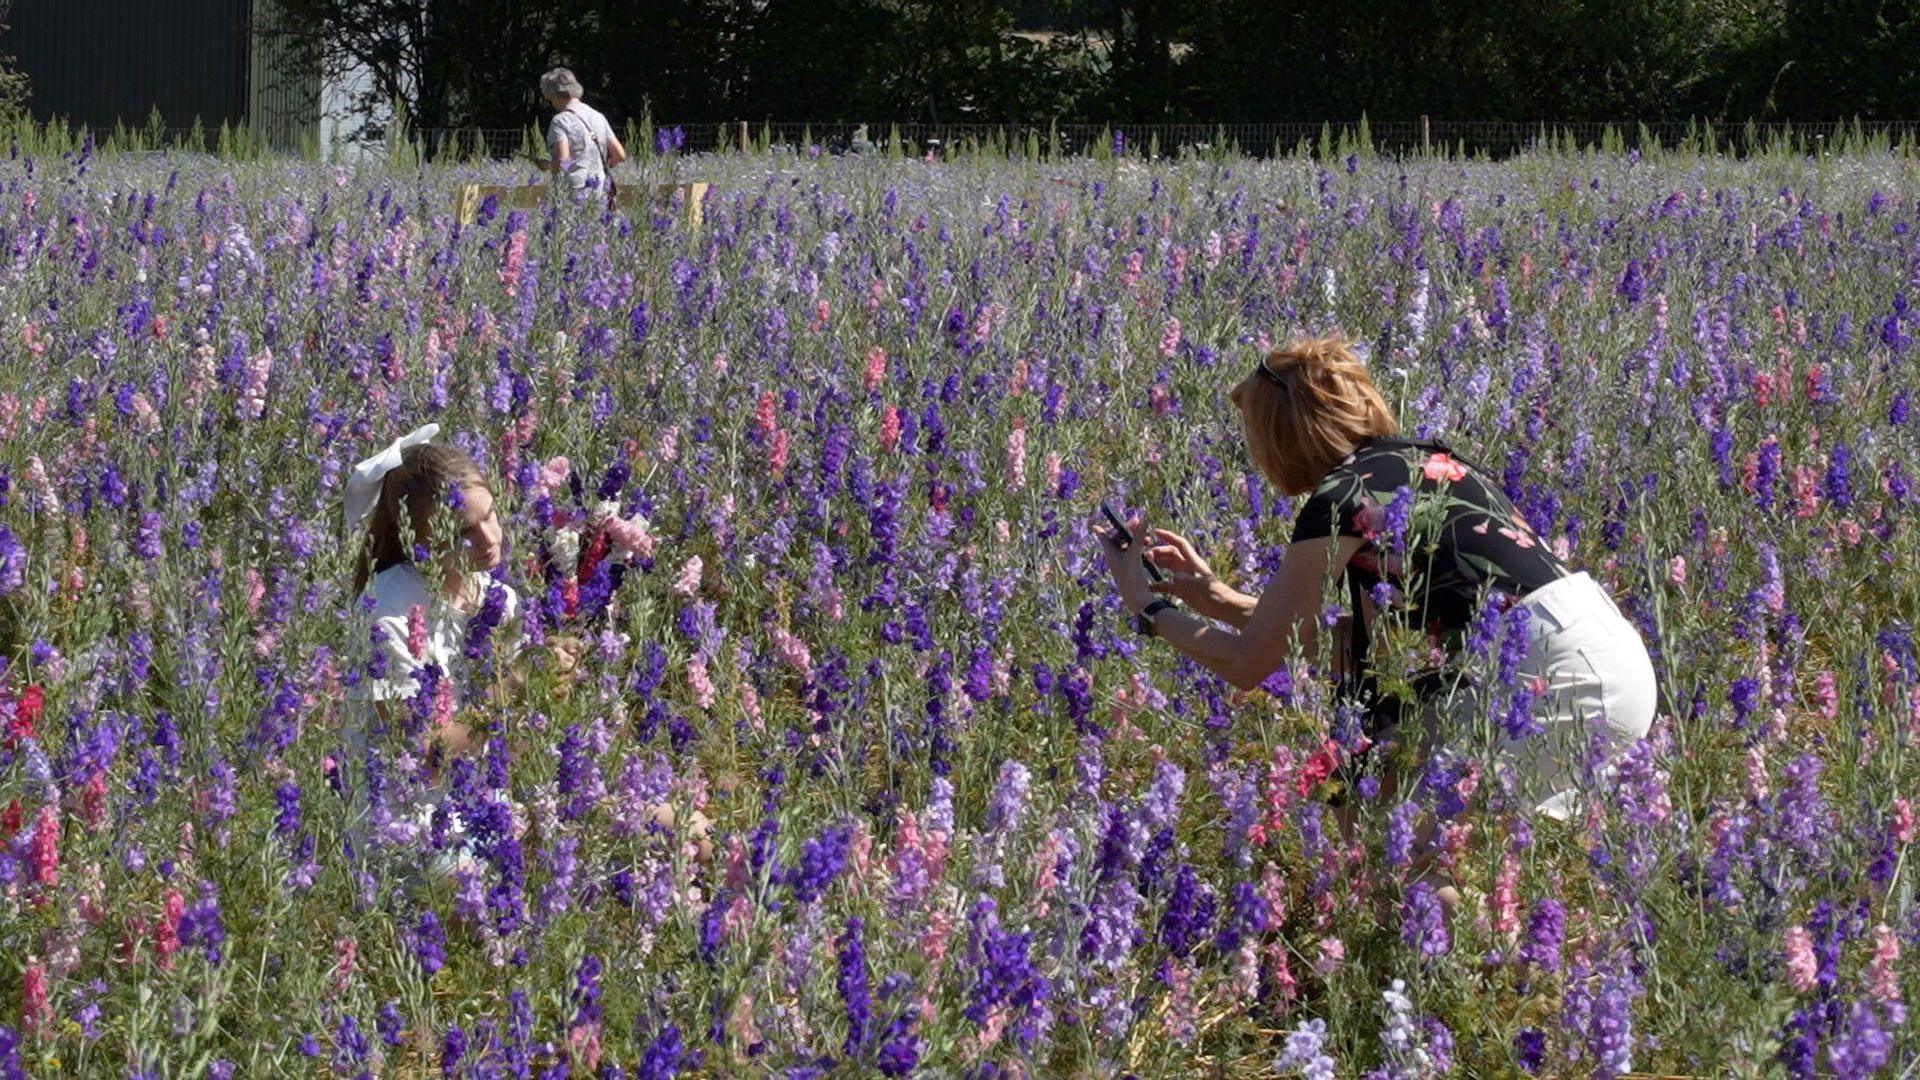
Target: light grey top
[{"x": 587, "y": 133}]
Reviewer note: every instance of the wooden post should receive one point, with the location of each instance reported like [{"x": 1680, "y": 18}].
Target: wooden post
[
  {"x": 466, "y": 205},
  {"x": 515, "y": 196},
  {"x": 693, "y": 201},
  {"x": 743, "y": 136},
  {"x": 1426, "y": 137}
]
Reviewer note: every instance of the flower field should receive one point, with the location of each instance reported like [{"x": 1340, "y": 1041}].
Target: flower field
[{"x": 859, "y": 771}]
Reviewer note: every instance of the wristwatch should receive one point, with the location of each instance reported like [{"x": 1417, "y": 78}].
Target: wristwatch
[{"x": 1143, "y": 622}]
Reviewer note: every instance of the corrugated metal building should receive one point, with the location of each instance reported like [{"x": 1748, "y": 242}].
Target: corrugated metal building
[{"x": 102, "y": 62}]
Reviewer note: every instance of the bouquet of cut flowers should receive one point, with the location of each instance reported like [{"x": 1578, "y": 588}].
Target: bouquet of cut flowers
[{"x": 584, "y": 551}]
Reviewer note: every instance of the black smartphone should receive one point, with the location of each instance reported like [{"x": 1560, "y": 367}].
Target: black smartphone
[{"x": 1123, "y": 538}]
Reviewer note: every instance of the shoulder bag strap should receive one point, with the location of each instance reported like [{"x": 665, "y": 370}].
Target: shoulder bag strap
[{"x": 587, "y": 122}]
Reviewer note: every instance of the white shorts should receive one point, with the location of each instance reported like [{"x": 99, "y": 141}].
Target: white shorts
[{"x": 1598, "y": 681}]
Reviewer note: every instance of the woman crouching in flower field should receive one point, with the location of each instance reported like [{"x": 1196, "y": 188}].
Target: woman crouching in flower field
[{"x": 1441, "y": 570}]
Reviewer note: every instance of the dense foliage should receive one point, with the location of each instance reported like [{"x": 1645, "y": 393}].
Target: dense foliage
[{"x": 475, "y": 63}]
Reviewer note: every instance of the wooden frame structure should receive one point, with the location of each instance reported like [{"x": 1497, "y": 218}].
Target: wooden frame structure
[{"x": 468, "y": 199}]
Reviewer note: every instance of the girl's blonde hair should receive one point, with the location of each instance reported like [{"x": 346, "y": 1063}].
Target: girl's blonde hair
[
  {"x": 1306, "y": 407},
  {"x": 422, "y": 483}
]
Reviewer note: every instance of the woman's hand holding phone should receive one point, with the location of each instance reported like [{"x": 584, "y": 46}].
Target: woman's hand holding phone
[
  {"x": 1192, "y": 582},
  {"x": 1132, "y": 573},
  {"x": 1122, "y": 537}
]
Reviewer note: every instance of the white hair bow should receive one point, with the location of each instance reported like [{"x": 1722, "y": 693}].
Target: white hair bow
[{"x": 363, "y": 484}]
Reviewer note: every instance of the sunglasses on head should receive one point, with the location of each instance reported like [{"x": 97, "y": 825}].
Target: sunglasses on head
[{"x": 1268, "y": 372}]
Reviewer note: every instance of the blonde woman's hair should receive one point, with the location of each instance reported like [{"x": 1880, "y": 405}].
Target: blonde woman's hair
[{"x": 1306, "y": 407}]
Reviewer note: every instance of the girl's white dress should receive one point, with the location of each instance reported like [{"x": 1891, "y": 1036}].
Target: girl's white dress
[{"x": 397, "y": 591}]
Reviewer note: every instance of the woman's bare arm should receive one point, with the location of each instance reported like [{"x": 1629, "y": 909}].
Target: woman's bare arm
[{"x": 1283, "y": 619}]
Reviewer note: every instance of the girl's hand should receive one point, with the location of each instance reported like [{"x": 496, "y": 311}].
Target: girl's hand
[{"x": 566, "y": 653}]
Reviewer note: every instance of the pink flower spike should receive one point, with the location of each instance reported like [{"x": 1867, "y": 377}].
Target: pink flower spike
[{"x": 1802, "y": 967}]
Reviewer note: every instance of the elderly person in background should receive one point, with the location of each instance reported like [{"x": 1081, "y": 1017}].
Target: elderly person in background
[{"x": 583, "y": 144}]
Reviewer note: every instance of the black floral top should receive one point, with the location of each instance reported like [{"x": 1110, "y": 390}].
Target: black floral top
[{"x": 1436, "y": 529}]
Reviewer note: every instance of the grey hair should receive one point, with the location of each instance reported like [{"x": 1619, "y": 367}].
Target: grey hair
[{"x": 560, "y": 83}]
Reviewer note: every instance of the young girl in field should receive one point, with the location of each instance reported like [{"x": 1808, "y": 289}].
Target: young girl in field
[{"x": 430, "y": 539}]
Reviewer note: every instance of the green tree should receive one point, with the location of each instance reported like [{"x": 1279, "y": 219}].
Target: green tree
[
  {"x": 674, "y": 59},
  {"x": 961, "y": 61},
  {"x": 476, "y": 62},
  {"x": 13, "y": 82},
  {"x": 1833, "y": 59},
  {"x": 462, "y": 64}
]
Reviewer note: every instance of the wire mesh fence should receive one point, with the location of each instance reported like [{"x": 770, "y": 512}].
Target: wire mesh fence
[
  {"x": 1496, "y": 139},
  {"x": 1400, "y": 138}
]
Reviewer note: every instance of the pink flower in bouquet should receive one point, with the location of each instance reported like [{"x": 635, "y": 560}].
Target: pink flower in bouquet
[
  {"x": 442, "y": 705},
  {"x": 630, "y": 536},
  {"x": 1806, "y": 491},
  {"x": 584, "y": 1042},
  {"x": 1162, "y": 401},
  {"x": 1826, "y": 695},
  {"x": 552, "y": 476}
]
